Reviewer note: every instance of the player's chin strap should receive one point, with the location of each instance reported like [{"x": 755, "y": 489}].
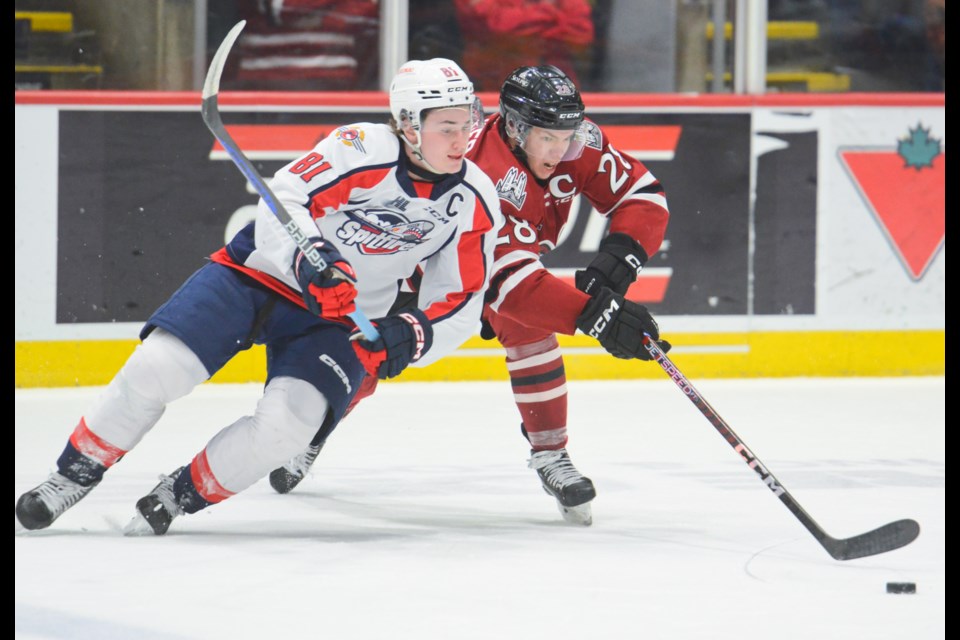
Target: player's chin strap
[
  {"x": 516, "y": 147},
  {"x": 425, "y": 174},
  {"x": 415, "y": 148}
]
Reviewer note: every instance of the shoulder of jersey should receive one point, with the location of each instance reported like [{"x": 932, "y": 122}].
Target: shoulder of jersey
[
  {"x": 363, "y": 143},
  {"x": 476, "y": 178},
  {"x": 594, "y": 135}
]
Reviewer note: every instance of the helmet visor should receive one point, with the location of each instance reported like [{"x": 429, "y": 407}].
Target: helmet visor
[
  {"x": 435, "y": 120},
  {"x": 547, "y": 145}
]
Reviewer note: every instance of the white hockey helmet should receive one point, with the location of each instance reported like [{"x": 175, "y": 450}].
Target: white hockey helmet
[{"x": 420, "y": 85}]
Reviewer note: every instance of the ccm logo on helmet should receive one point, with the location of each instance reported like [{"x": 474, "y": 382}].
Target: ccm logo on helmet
[
  {"x": 568, "y": 116},
  {"x": 456, "y": 89}
]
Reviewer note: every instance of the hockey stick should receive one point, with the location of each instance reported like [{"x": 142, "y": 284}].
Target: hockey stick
[
  {"x": 211, "y": 117},
  {"x": 886, "y": 538}
]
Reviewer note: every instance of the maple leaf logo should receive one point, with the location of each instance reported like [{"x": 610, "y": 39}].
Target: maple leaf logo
[
  {"x": 908, "y": 205},
  {"x": 918, "y": 149}
]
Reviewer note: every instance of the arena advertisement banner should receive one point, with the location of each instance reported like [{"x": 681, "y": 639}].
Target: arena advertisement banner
[
  {"x": 152, "y": 194},
  {"x": 887, "y": 171},
  {"x": 805, "y": 235}
]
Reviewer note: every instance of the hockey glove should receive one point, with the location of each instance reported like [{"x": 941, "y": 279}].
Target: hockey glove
[
  {"x": 404, "y": 338},
  {"x": 619, "y": 325},
  {"x": 329, "y": 293},
  {"x": 616, "y": 265}
]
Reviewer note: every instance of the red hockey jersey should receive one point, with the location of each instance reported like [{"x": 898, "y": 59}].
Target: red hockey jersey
[{"x": 535, "y": 213}]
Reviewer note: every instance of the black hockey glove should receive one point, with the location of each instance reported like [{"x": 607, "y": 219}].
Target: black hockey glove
[
  {"x": 616, "y": 266},
  {"x": 619, "y": 325},
  {"x": 329, "y": 293},
  {"x": 404, "y": 338}
]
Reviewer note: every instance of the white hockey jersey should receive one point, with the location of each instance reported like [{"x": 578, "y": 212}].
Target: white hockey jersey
[{"x": 353, "y": 189}]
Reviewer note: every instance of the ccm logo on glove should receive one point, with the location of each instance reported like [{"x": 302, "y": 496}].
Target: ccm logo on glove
[
  {"x": 604, "y": 318},
  {"x": 404, "y": 338},
  {"x": 619, "y": 325},
  {"x": 418, "y": 335}
]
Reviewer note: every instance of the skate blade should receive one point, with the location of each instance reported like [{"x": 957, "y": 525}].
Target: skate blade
[
  {"x": 581, "y": 514},
  {"x": 138, "y": 526}
]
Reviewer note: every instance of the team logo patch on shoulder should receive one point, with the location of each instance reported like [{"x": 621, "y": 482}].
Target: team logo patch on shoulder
[
  {"x": 352, "y": 137},
  {"x": 594, "y": 139},
  {"x": 512, "y": 187}
]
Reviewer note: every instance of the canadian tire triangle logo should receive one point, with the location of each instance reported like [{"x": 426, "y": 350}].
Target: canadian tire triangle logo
[{"x": 904, "y": 188}]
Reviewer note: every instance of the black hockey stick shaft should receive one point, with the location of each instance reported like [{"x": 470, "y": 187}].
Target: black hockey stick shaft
[
  {"x": 886, "y": 538},
  {"x": 211, "y": 117}
]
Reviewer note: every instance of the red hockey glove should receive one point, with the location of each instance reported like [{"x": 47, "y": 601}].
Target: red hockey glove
[
  {"x": 404, "y": 338},
  {"x": 329, "y": 293}
]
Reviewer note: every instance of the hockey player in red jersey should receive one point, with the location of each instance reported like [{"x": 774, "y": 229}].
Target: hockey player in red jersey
[
  {"x": 542, "y": 152},
  {"x": 379, "y": 202}
]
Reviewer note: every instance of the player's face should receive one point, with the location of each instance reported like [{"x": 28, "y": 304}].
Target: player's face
[
  {"x": 545, "y": 149},
  {"x": 443, "y": 138}
]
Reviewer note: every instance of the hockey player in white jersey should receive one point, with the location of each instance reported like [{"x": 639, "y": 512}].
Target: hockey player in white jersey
[
  {"x": 380, "y": 200},
  {"x": 541, "y": 139}
]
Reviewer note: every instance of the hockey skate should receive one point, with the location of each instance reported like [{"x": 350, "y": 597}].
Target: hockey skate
[
  {"x": 562, "y": 481},
  {"x": 285, "y": 478},
  {"x": 39, "y": 507},
  {"x": 156, "y": 510}
]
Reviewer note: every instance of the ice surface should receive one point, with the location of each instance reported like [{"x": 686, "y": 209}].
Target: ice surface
[{"x": 420, "y": 520}]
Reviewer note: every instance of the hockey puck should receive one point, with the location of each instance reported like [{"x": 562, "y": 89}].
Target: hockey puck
[{"x": 901, "y": 587}]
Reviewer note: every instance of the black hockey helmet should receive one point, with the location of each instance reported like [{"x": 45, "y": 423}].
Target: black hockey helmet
[{"x": 542, "y": 97}]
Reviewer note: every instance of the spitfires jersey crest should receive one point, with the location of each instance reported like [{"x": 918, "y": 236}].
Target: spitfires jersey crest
[
  {"x": 353, "y": 189},
  {"x": 380, "y": 231}
]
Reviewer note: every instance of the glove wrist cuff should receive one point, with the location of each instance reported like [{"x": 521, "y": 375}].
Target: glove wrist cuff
[
  {"x": 422, "y": 331},
  {"x": 316, "y": 242},
  {"x": 622, "y": 245},
  {"x": 593, "y": 321}
]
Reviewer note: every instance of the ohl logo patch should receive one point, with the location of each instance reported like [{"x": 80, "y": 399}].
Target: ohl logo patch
[{"x": 905, "y": 190}]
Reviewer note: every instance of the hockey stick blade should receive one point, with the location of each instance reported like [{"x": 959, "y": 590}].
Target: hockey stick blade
[
  {"x": 210, "y": 111},
  {"x": 886, "y": 538}
]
